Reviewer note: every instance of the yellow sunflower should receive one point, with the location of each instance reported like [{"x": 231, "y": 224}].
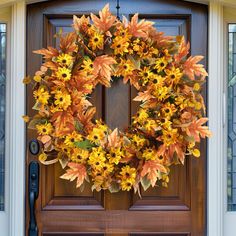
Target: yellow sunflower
[
  {"x": 44, "y": 129},
  {"x": 149, "y": 154},
  {"x": 125, "y": 68},
  {"x": 170, "y": 136},
  {"x": 145, "y": 74},
  {"x": 64, "y": 59},
  {"x": 63, "y": 73},
  {"x": 72, "y": 138},
  {"x": 128, "y": 176},
  {"x": 168, "y": 109},
  {"x": 96, "y": 41},
  {"x": 87, "y": 65},
  {"x": 97, "y": 158},
  {"x": 62, "y": 100},
  {"x": 41, "y": 95},
  {"x": 173, "y": 75},
  {"x": 120, "y": 45},
  {"x": 161, "y": 64},
  {"x": 114, "y": 156},
  {"x": 79, "y": 155}
]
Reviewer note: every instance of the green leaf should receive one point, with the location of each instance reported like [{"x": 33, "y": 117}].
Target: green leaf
[
  {"x": 114, "y": 187},
  {"x": 78, "y": 126},
  {"x": 86, "y": 144},
  {"x": 145, "y": 183}
]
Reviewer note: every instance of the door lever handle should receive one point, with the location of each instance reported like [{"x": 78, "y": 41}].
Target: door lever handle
[{"x": 33, "y": 195}]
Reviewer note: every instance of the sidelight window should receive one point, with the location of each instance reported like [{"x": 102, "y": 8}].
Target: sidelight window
[{"x": 2, "y": 111}]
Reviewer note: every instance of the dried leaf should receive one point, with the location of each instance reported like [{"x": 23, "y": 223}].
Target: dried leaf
[
  {"x": 191, "y": 68},
  {"x": 152, "y": 169},
  {"x": 196, "y": 130},
  {"x": 114, "y": 139},
  {"x": 183, "y": 50},
  {"x": 105, "y": 21},
  {"x": 48, "y": 53},
  {"x": 141, "y": 28},
  {"x": 143, "y": 96},
  {"x": 76, "y": 171},
  {"x": 102, "y": 69}
]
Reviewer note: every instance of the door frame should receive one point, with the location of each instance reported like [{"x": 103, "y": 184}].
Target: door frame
[{"x": 216, "y": 114}]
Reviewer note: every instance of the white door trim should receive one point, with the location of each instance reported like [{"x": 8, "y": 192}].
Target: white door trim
[
  {"x": 215, "y": 109},
  {"x": 17, "y": 132},
  {"x": 216, "y": 121}
]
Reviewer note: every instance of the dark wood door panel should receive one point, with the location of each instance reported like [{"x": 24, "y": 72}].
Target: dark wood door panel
[{"x": 64, "y": 210}]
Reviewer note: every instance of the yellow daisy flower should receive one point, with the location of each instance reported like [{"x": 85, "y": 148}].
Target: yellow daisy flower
[
  {"x": 168, "y": 109},
  {"x": 170, "y": 136},
  {"x": 120, "y": 45},
  {"x": 96, "y": 41},
  {"x": 62, "y": 100},
  {"x": 128, "y": 172},
  {"x": 125, "y": 68},
  {"x": 79, "y": 155},
  {"x": 149, "y": 154},
  {"x": 145, "y": 74},
  {"x": 87, "y": 65},
  {"x": 173, "y": 75},
  {"x": 97, "y": 158},
  {"x": 72, "y": 138},
  {"x": 63, "y": 73},
  {"x": 41, "y": 95},
  {"x": 115, "y": 155},
  {"x": 64, "y": 59},
  {"x": 126, "y": 185},
  {"x": 161, "y": 64},
  {"x": 44, "y": 129}
]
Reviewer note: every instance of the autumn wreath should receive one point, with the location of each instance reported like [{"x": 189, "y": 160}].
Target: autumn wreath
[{"x": 165, "y": 129}]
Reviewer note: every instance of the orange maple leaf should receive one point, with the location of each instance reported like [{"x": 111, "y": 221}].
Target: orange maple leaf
[
  {"x": 68, "y": 42},
  {"x": 141, "y": 28},
  {"x": 152, "y": 169},
  {"x": 114, "y": 139},
  {"x": 102, "y": 69},
  {"x": 48, "y": 53},
  {"x": 191, "y": 68},
  {"x": 76, "y": 171},
  {"x": 105, "y": 21},
  {"x": 78, "y": 23},
  {"x": 183, "y": 50},
  {"x": 63, "y": 122},
  {"x": 196, "y": 130},
  {"x": 85, "y": 117},
  {"x": 143, "y": 96}
]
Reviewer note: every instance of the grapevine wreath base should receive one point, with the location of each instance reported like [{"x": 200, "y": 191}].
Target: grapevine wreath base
[{"x": 165, "y": 129}]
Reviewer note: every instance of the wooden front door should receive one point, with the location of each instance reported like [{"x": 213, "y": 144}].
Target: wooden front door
[{"x": 63, "y": 210}]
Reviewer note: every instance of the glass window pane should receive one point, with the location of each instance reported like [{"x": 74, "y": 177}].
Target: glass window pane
[{"x": 2, "y": 111}]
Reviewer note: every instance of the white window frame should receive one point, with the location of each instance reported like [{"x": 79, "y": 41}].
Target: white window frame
[{"x": 4, "y": 215}]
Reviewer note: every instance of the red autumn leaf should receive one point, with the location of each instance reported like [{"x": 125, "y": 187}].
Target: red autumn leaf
[
  {"x": 143, "y": 96},
  {"x": 141, "y": 28},
  {"x": 102, "y": 69},
  {"x": 114, "y": 139},
  {"x": 191, "y": 68},
  {"x": 183, "y": 50},
  {"x": 152, "y": 169},
  {"x": 76, "y": 171},
  {"x": 48, "y": 53},
  {"x": 105, "y": 21},
  {"x": 196, "y": 130},
  {"x": 63, "y": 122}
]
